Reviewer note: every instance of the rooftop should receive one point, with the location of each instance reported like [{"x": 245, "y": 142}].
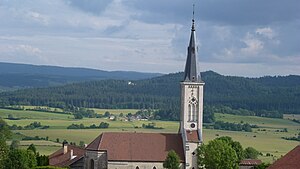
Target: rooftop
[{"x": 150, "y": 147}]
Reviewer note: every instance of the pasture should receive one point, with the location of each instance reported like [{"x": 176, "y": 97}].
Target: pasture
[
  {"x": 266, "y": 138},
  {"x": 115, "y": 111},
  {"x": 291, "y": 116}
]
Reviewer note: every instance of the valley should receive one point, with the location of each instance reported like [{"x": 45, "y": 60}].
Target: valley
[{"x": 266, "y": 138}]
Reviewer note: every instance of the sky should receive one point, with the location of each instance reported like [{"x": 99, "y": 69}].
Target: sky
[{"x": 250, "y": 38}]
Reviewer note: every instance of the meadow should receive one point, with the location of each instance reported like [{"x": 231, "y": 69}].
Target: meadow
[{"x": 266, "y": 138}]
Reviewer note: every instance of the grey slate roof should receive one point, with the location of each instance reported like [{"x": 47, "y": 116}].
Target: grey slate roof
[{"x": 190, "y": 72}]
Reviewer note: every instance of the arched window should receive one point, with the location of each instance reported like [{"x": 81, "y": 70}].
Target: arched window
[
  {"x": 194, "y": 109},
  {"x": 137, "y": 167},
  {"x": 92, "y": 164},
  {"x": 190, "y": 113},
  {"x": 195, "y": 112},
  {"x": 154, "y": 167}
]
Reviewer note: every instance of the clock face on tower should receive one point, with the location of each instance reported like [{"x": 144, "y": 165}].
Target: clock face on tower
[{"x": 193, "y": 125}]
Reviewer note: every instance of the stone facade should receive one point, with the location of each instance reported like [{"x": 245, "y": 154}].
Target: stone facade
[
  {"x": 95, "y": 160},
  {"x": 137, "y": 165}
]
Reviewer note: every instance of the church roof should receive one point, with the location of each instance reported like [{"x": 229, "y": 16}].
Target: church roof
[
  {"x": 138, "y": 147},
  {"x": 192, "y": 136},
  {"x": 190, "y": 72},
  {"x": 289, "y": 161}
]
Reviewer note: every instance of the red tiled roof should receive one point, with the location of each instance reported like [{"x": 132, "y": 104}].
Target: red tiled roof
[
  {"x": 138, "y": 146},
  {"x": 192, "y": 136},
  {"x": 289, "y": 161},
  {"x": 60, "y": 159},
  {"x": 250, "y": 162}
]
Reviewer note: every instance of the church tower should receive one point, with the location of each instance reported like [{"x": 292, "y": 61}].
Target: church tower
[{"x": 191, "y": 117}]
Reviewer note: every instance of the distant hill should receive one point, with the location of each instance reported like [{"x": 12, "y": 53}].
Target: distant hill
[
  {"x": 280, "y": 94},
  {"x": 15, "y": 76}
]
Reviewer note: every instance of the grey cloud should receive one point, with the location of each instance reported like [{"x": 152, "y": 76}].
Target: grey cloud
[
  {"x": 233, "y": 12},
  {"x": 91, "y": 6}
]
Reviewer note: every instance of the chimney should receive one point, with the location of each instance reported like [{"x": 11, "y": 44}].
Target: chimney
[
  {"x": 71, "y": 154},
  {"x": 65, "y": 147}
]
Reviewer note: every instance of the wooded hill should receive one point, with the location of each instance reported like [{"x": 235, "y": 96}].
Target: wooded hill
[
  {"x": 15, "y": 76},
  {"x": 263, "y": 96}
]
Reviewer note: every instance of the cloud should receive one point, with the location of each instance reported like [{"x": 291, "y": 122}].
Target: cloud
[
  {"x": 29, "y": 49},
  {"x": 151, "y": 35},
  {"x": 253, "y": 45},
  {"x": 91, "y": 6},
  {"x": 267, "y": 32},
  {"x": 231, "y": 12}
]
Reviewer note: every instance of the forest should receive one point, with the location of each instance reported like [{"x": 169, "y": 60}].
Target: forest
[{"x": 265, "y": 96}]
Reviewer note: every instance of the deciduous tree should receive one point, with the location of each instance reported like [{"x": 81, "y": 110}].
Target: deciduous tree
[
  {"x": 172, "y": 161},
  {"x": 217, "y": 154},
  {"x": 251, "y": 153}
]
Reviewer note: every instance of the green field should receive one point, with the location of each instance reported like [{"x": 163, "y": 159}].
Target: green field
[
  {"x": 291, "y": 116},
  {"x": 267, "y": 141},
  {"x": 115, "y": 111},
  {"x": 44, "y": 147},
  {"x": 34, "y": 115}
]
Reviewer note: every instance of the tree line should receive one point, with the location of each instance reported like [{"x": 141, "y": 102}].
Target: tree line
[{"x": 266, "y": 96}]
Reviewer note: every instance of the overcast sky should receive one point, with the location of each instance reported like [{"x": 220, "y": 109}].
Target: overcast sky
[{"x": 235, "y": 37}]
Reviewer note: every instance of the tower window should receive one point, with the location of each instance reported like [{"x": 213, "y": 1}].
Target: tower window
[
  {"x": 194, "y": 112},
  {"x": 190, "y": 113},
  {"x": 137, "y": 167},
  {"x": 154, "y": 167}
]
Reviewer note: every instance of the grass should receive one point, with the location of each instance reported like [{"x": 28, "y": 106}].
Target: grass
[
  {"x": 43, "y": 147},
  {"x": 34, "y": 115},
  {"x": 268, "y": 141},
  {"x": 291, "y": 116},
  {"x": 116, "y": 111}
]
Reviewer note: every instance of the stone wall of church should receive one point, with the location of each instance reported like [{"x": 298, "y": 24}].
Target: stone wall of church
[
  {"x": 137, "y": 165},
  {"x": 95, "y": 160}
]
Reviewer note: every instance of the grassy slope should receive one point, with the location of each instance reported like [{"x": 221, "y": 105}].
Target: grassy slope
[
  {"x": 268, "y": 141},
  {"x": 34, "y": 115}
]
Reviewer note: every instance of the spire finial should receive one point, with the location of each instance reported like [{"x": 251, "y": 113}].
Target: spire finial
[
  {"x": 193, "y": 20},
  {"x": 193, "y": 12}
]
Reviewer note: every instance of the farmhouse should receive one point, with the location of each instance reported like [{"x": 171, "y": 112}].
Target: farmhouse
[
  {"x": 148, "y": 150},
  {"x": 289, "y": 161}
]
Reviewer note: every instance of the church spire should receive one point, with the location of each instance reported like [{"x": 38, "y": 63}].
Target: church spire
[{"x": 190, "y": 72}]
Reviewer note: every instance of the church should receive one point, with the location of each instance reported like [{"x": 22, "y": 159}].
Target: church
[{"x": 132, "y": 150}]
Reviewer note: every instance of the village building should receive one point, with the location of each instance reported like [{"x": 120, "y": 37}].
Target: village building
[
  {"x": 249, "y": 163},
  {"x": 124, "y": 150},
  {"x": 289, "y": 161}
]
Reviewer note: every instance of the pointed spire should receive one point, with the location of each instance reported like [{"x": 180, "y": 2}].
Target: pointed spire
[{"x": 190, "y": 73}]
